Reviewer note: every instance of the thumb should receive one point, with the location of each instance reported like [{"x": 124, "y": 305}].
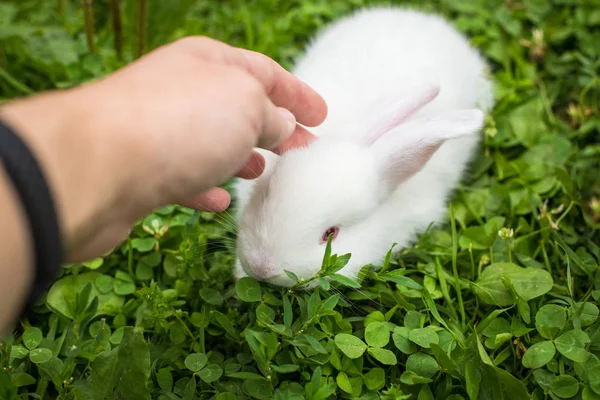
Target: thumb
[{"x": 278, "y": 126}]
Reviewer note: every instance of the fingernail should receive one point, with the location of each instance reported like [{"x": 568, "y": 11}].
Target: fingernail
[{"x": 290, "y": 118}]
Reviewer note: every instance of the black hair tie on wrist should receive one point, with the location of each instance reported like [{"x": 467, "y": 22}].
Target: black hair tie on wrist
[{"x": 33, "y": 190}]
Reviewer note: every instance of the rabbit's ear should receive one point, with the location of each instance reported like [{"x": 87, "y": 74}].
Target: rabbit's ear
[
  {"x": 395, "y": 111},
  {"x": 405, "y": 150}
]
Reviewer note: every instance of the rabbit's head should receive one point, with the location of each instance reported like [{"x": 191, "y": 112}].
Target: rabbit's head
[{"x": 336, "y": 187}]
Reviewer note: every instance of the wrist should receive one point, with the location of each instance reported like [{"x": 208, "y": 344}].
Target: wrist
[{"x": 59, "y": 128}]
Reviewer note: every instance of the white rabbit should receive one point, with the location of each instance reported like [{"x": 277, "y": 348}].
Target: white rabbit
[{"x": 406, "y": 96}]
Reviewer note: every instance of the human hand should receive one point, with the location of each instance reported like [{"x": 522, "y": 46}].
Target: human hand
[
  {"x": 239, "y": 90},
  {"x": 165, "y": 129}
]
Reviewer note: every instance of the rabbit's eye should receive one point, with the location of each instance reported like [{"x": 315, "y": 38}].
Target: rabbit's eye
[{"x": 329, "y": 231}]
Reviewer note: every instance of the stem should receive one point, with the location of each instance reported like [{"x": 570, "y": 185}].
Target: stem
[
  {"x": 130, "y": 257},
  {"x": 455, "y": 269},
  {"x": 472, "y": 263},
  {"x": 14, "y": 82},
  {"x": 558, "y": 221},
  {"x": 88, "y": 14},
  {"x": 546, "y": 259},
  {"x": 117, "y": 24},
  {"x": 185, "y": 327},
  {"x": 444, "y": 288},
  {"x": 141, "y": 27},
  {"x": 201, "y": 340}
]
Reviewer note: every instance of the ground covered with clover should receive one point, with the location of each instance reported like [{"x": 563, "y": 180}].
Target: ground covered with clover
[{"x": 500, "y": 303}]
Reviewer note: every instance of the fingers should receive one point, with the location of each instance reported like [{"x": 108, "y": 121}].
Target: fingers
[
  {"x": 217, "y": 199},
  {"x": 213, "y": 200},
  {"x": 253, "y": 168},
  {"x": 278, "y": 126},
  {"x": 282, "y": 87}
]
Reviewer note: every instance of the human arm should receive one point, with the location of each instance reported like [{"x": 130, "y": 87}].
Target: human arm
[{"x": 166, "y": 129}]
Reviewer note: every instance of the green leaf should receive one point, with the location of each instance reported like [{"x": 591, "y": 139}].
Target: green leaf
[
  {"x": 291, "y": 275},
  {"x": 343, "y": 382},
  {"x": 422, "y": 364},
  {"x": 211, "y": 373},
  {"x": 211, "y": 296},
  {"x": 165, "y": 379},
  {"x": 539, "y": 354},
  {"x": 571, "y": 344},
  {"x": 117, "y": 336},
  {"x": 195, "y": 361},
  {"x": 528, "y": 283},
  {"x": 52, "y": 370},
  {"x": 513, "y": 388},
  {"x": 152, "y": 260},
  {"x": 384, "y": 356},
  {"x": 248, "y": 376},
  {"x": 94, "y": 264},
  {"x": 39, "y": 355},
  {"x": 330, "y": 303},
  {"x": 105, "y": 284},
  {"x": 190, "y": 388},
  {"x": 124, "y": 284},
  {"x": 318, "y": 347},
  {"x": 425, "y": 393},
  {"x": 565, "y": 386},
  {"x": 344, "y": 280},
  {"x": 289, "y": 390},
  {"x": 23, "y": 379},
  {"x": 122, "y": 372},
  {"x": 224, "y": 321},
  {"x": 411, "y": 378},
  {"x": 588, "y": 312},
  {"x": 265, "y": 314},
  {"x": 413, "y": 319},
  {"x": 397, "y": 276},
  {"x": 424, "y": 337},
  {"x": 400, "y": 338},
  {"x": 286, "y": 368},
  {"x": 324, "y": 392},
  {"x": 594, "y": 378},
  {"x": 248, "y": 290},
  {"x": 350, "y": 345},
  {"x": 573, "y": 256},
  {"x": 62, "y": 294},
  {"x": 374, "y": 379},
  {"x": 550, "y": 320},
  {"x": 477, "y": 238},
  {"x": 143, "y": 245},
  {"x": 444, "y": 360},
  {"x": 288, "y": 313},
  {"x": 544, "y": 378},
  {"x": 144, "y": 272},
  {"x": 495, "y": 327},
  {"x": 259, "y": 389},
  {"x": 32, "y": 337},
  {"x": 18, "y": 352},
  {"x": 588, "y": 394},
  {"x": 324, "y": 283},
  {"x": 377, "y": 334}
]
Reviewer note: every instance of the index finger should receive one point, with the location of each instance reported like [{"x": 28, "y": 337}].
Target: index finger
[{"x": 283, "y": 88}]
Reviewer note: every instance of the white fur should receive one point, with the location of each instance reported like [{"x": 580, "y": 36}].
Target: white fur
[{"x": 366, "y": 66}]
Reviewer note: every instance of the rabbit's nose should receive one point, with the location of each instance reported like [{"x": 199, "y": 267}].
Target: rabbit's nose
[{"x": 261, "y": 267}]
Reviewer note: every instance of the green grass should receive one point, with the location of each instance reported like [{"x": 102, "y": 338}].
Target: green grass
[{"x": 501, "y": 303}]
